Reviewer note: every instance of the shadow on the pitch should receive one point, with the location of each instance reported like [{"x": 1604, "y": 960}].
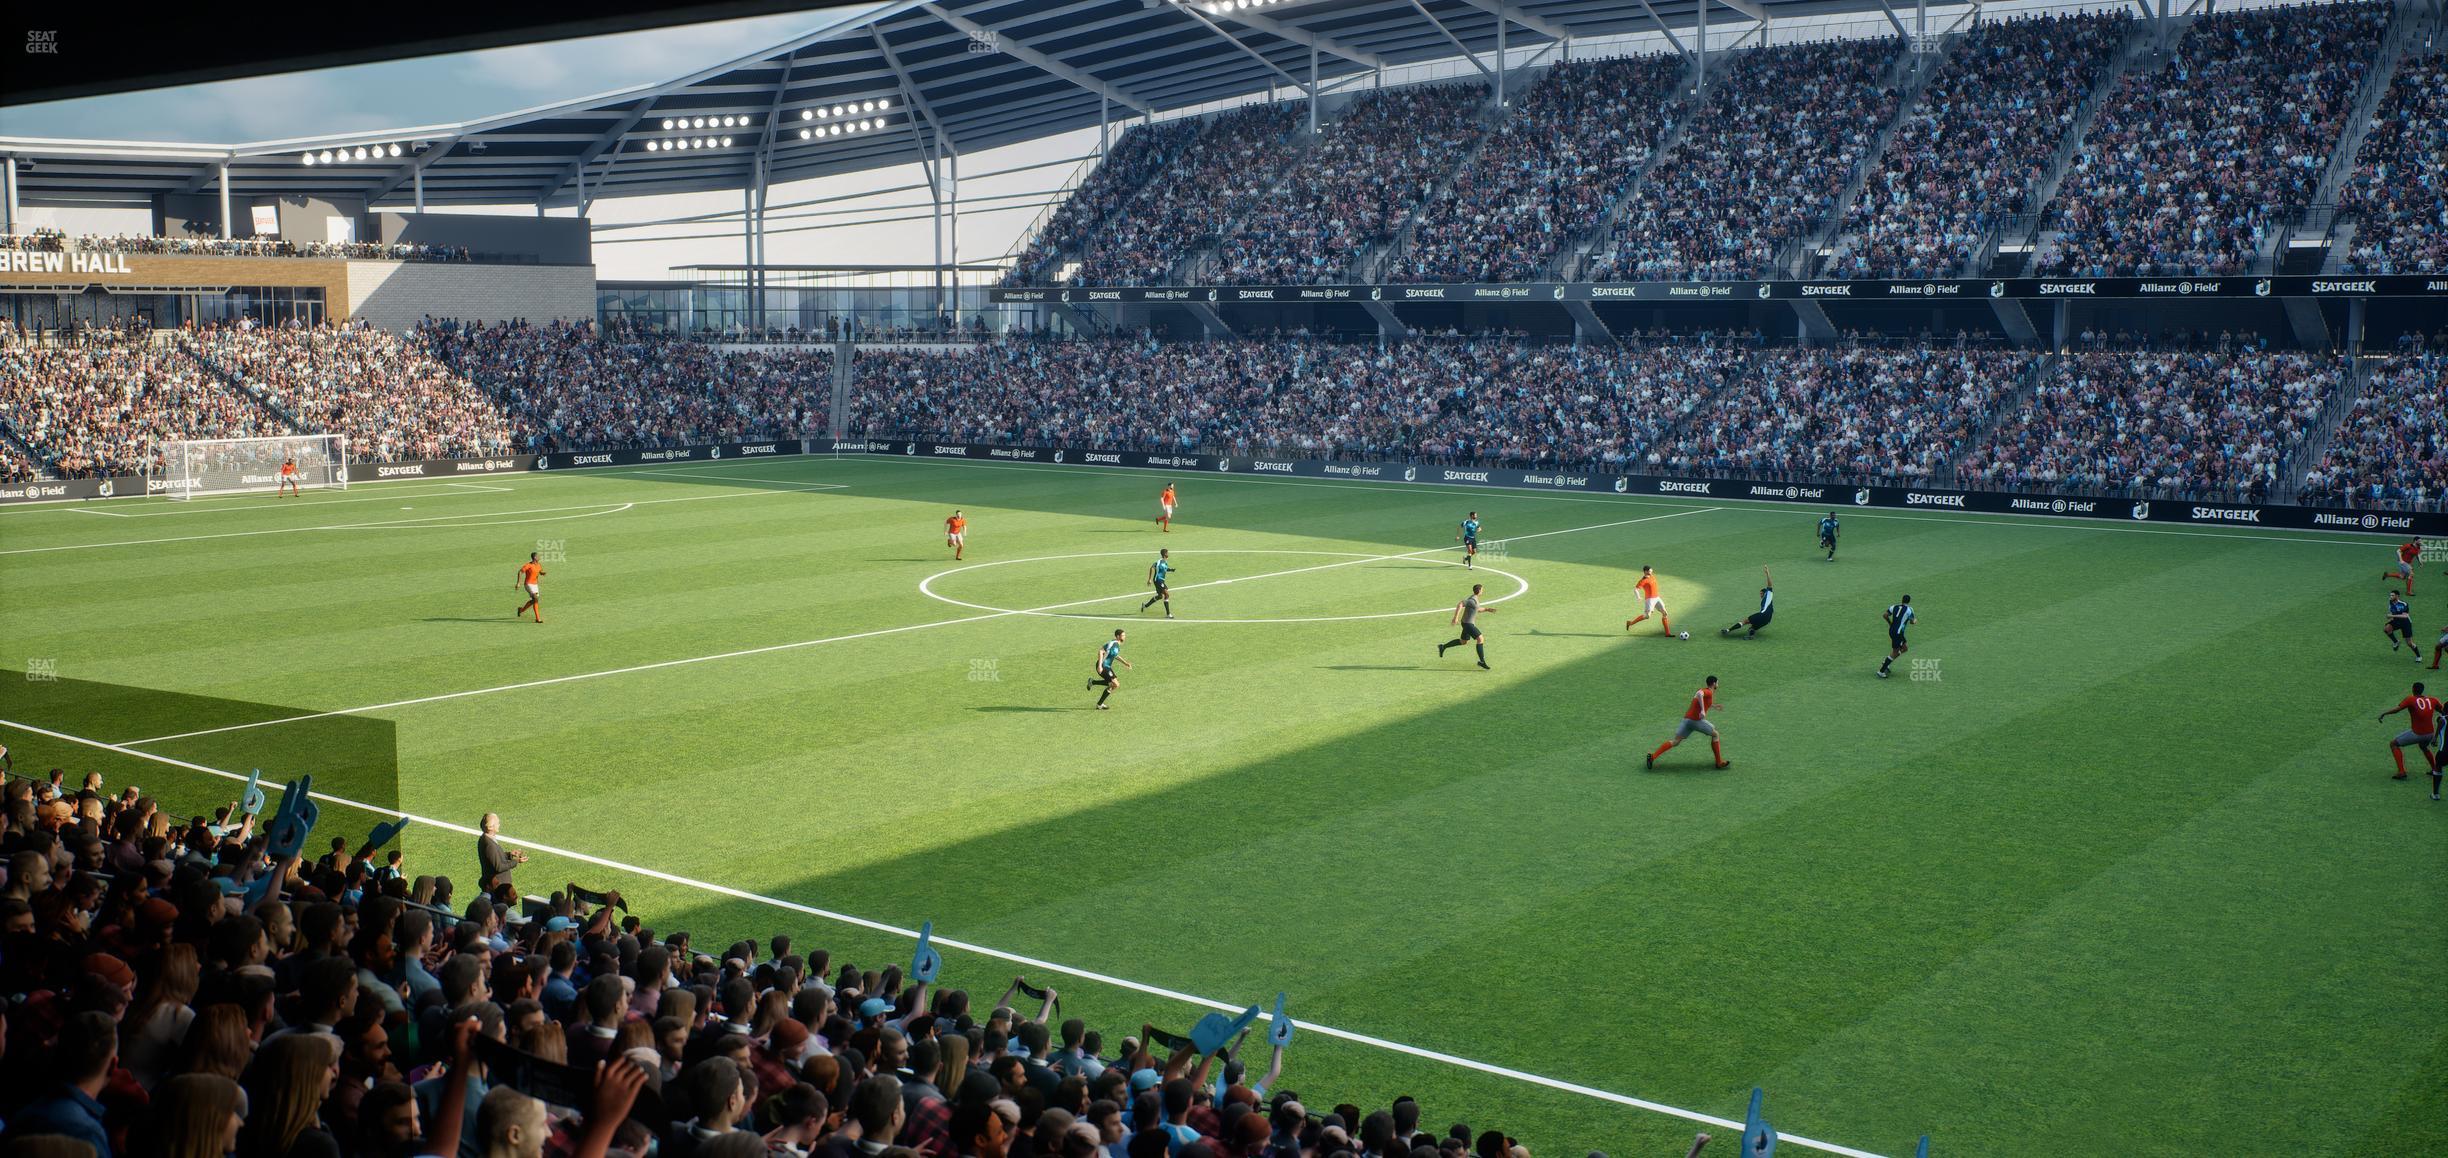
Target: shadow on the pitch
[
  {"x": 915, "y": 559},
  {"x": 468, "y": 619},
  {"x": 1574, "y": 634},
  {"x": 1028, "y": 708},
  {"x": 1392, "y": 667}
]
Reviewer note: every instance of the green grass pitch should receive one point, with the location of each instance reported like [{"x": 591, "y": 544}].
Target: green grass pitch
[{"x": 2121, "y": 871}]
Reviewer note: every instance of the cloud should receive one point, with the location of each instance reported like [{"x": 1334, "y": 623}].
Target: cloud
[{"x": 406, "y": 93}]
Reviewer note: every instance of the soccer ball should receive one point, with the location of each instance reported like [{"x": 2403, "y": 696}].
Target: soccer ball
[{"x": 1684, "y": 635}]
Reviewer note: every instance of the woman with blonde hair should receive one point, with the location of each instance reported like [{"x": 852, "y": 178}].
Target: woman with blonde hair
[
  {"x": 191, "y": 1116},
  {"x": 285, "y": 1089},
  {"x": 150, "y": 1033}
]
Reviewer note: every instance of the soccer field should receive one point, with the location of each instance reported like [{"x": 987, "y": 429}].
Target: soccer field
[{"x": 2112, "y": 865}]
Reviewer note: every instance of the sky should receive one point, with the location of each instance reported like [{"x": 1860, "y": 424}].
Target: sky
[{"x": 461, "y": 86}]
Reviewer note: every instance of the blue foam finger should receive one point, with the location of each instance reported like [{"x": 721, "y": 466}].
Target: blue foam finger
[
  {"x": 926, "y": 962},
  {"x": 1922, "y": 1151},
  {"x": 1759, "y": 1138},
  {"x": 1214, "y": 1031},
  {"x": 251, "y": 801},
  {"x": 383, "y": 832},
  {"x": 1279, "y": 1030}
]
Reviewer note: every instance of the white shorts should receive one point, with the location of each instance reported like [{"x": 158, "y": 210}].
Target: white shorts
[
  {"x": 1654, "y": 606},
  {"x": 956, "y": 540},
  {"x": 1167, "y": 508},
  {"x": 531, "y": 589}
]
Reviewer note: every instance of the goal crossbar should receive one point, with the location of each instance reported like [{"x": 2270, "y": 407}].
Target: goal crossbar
[{"x": 204, "y": 467}]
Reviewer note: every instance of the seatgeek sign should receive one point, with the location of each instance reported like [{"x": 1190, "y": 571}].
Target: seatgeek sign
[
  {"x": 2151, "y": 511},
  {"x": 360, "y": 473}
]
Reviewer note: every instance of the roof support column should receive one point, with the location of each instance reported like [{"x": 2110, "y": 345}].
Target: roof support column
[
  {"x": 954, "y": 169},
  {"x": 935, "y": 220},
  {"x": 9, "y": 195},
  {"x": 1700, "y": 74},
  {"x": 1500, "y": 58},
  {"x": 1104, "y": 125},
  {"x": 757, "y": 302},
  {"x": 748, "y": 254},
  {"x": 223, "y": 180},
  {"x": 1313, "y": 93},
  {"x": 419, "y": 178}
]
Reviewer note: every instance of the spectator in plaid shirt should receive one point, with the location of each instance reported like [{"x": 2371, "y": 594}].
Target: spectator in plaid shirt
[{"x": 927, "y": 1122}]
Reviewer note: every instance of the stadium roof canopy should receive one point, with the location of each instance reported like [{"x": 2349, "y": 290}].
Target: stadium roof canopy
[{"x": 957, "y": 75}]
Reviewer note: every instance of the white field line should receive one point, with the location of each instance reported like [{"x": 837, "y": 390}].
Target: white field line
[
  {"x": 93, "y": 511},
  {"x": 795, "y": 645},
  {"x": 420, "y": 521},
  {"x": 213, "y": 506},
  {"x": 2034, "y": 521},
  {"x": 984, "y": 951}
]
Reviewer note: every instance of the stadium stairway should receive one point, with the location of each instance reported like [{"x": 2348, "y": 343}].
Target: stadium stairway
[
  {"x": 1572, "y": 258},
  {"x": 1370, "y": 265},
  {"x": 2315, "y": 442},
  {"x": 1909, "y": 74},
  {"x": 2014, "y": 247},
  {"x": 2318, "y": 242},
  {"x": 48, "y": 463},
  {"x": 1199, "y": 264},
  {"x": 2025, "y": 390},
  {"x": 237, "y": 385}
]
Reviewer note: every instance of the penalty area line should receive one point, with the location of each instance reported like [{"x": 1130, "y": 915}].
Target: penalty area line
[{"x": 1140, "y": 987}]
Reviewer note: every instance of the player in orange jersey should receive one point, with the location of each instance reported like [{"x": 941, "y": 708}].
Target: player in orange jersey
[
  {"x": 1164, "y": 507},
  {"x": 530, "y": 579},
  {"x": 1695, "y": 719},
  {"x": 288, "y": 478},
  {"x": 1650, "y": 603},
  {"x": 956, "y": 535},
  {"x": 2407, "y": 553},
  {"x": 2422, "y": 734}
]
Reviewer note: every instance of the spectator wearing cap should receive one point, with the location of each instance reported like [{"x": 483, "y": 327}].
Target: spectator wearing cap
[{"x": 88, "y": 1047}]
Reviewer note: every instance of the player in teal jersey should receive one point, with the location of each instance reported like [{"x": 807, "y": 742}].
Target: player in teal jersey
[
  {"x": 1107, "y": 657},
  {"x": 1469, "y": 535},
  {"x": 1827, "y": 535},
  {"x": 1159, "y": 573}
]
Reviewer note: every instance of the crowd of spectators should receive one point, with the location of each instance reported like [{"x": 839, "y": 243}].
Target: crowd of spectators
[
  {"x": 574, "y": 387},
  {"x": 1857, "y": 415},
  {"x": 2391, "y": 448},
  {"x": 39, "y": 239},
  {"x": 1546, "y": 175},
  {"x": 391, "y": 396},
  {"x": 199, "y": 988},
  {"x": 264, "y": 247},
  {"x": 2162, "y": 423},
  {"x": 2192, "y": 168},
  {"x": 2398, "y": 194},
  {"x": 1354, "y": 186},
  {"x": 1223, "y": 170},
  {"x": 15, "y": 465},
  {"x": 1776, "y": 138},
  {"x": 1985, "y": 131},
  {"x": 1129, "y": 168},
  {"x": 98, "y": 408}
]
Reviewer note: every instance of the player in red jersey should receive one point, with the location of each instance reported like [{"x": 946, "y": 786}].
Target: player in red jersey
[
  {"x": 2407, "y": 553},
  {"x": 288, "y": 478},
  {"x": 530, "y": 580},
  {"x": 1695, "y": 719},
  {"x": 956, "y": 535},
  {"x": 2422, "y": 734}
]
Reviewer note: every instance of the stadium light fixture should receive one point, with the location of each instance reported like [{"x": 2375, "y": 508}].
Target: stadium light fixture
[
  {"x": 726, "y": 142},
  {"x": 667, "y": 124},
  {"x": 806, "y": 115},
  {"x": 308, "y": 158}
]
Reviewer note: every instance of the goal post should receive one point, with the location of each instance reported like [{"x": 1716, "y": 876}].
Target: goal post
[{"x": 203, "y": 467}]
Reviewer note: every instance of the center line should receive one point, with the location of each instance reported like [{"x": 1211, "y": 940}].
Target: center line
[{"x": 795, "y": 645}]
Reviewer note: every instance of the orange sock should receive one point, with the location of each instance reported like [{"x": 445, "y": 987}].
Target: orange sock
[
  {"x": 1716, "y": 751},
  {"x": 1631, "y": 622},
  {"x": 2398, "y": 754},
  {"x": 1665, "y": 625},
  {"x": 1661, "y": 749}
]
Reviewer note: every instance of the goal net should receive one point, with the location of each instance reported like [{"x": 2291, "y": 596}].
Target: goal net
[{"x": 194, "y": 467}]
